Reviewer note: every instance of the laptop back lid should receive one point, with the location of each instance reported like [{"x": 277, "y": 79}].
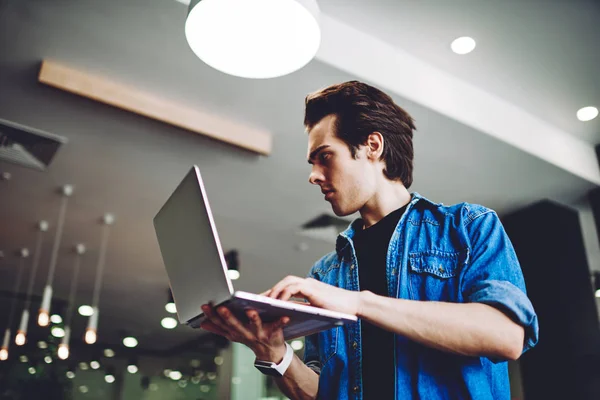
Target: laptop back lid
[{"x": 191, "y": 249}]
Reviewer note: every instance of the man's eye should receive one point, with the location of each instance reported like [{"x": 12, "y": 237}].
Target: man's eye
[{"x": 325, "y": 156}]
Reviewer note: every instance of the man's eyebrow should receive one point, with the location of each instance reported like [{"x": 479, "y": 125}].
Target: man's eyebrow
[{"x": 315, "y": 152}]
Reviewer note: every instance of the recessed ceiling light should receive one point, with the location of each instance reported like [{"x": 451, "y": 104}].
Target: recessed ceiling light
[
  {"x": 56, "y": 319},
  {"x": 130, "y": 342},
  {"x": 463, "y": 45},
  {"x": 132, "y": 369},
  {"x": 95, "y": 364},
  {"x": 57, "y": 331},
  {"x": 42, "y": 345},
  {"x": 109, "y": 378},
  {"x": 109, "y": 353},
  {"x": 587, "y": 113},
  {"x": 48, "y": 360},
  {"x": 168, "y": 323},
  {"x": 175, "y": 375},
  {"x": 297, "y": 344},
  {"x": 70, "y": 374},
  {"x": 31, "y": 370},
  {"x": 254, "y": 39},
  {"x": 86, "y": 310}
]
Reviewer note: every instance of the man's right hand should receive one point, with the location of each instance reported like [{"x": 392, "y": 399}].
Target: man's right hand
[{"x": 265, "y": 340}]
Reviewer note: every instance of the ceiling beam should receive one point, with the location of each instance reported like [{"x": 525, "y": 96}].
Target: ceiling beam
[
  {"x": 348, "y": 49},
  {"x": 151, "y": 106}
]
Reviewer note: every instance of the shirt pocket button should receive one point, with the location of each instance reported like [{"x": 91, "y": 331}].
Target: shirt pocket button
[
  {"x": 355, "y": 389},
  {"x": 354, "y": 345}
]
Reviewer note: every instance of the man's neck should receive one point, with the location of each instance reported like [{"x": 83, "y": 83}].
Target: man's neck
[{"x": 388, "y": 198}]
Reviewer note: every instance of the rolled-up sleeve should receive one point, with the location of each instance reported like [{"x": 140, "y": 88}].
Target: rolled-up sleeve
[{"x": 493, "y": 274}]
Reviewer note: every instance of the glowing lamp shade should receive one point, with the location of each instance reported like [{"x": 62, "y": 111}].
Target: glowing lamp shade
[
  {"x": 63, "y": 351},
  {"x": 90, "y": 332},
  {"x": 63, "y": 347},
  {"x": 20, "y": 338},
  {"x": 4, "y": 348},
  {"x": 43, "y": 318},
  {"x": 90, "y": 336},
  {"x": 254, "y": 38}
]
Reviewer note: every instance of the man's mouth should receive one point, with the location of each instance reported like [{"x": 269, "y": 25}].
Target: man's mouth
[{"x": 328, "y": 194}]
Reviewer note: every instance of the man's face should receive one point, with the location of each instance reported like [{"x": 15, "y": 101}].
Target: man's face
[{"x": 347, "y": 183}]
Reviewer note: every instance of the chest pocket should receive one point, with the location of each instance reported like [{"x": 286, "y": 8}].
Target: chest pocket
[{"x": 433, "y": 275}]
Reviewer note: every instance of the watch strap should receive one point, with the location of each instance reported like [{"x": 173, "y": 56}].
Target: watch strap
[{"x": 270, "y": 368}]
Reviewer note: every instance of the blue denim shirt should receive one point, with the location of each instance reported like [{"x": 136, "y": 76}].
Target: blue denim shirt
[{"x": 457, "y": 254}]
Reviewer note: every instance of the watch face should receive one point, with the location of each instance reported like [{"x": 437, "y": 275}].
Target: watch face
[{"x": 267, "y": 370}]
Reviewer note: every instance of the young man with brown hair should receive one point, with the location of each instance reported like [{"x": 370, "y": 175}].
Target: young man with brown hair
[{"x": 438, "y": 289}]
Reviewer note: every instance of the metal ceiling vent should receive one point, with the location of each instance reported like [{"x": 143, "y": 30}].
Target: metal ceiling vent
[
  {"x": 324, "y": 227},
  {"x": 27, "y": 147}
]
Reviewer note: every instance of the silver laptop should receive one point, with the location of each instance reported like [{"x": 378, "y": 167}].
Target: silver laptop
[{"x": 195, "y": 263}]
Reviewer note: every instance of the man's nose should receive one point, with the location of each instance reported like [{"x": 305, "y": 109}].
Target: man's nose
[{"x": 315, "y": 177}]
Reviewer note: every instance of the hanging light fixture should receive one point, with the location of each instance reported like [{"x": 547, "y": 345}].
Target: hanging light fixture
[
  {"x": 21, "y": 337},
  {"x": 44, "y": 314},
  {"x": 170, "y": 306},
  {"x": 233, "y": 264},
  {"x": 63, "y": 347},
  {"x": 24, "y": 253},
  {"x": 254, "y": 38},
  {"x": 596, "y": 284},
  {"x": 92, "y": 328}
]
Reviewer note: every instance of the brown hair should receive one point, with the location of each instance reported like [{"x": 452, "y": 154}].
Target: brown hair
[{"x": 360, "y": 110}]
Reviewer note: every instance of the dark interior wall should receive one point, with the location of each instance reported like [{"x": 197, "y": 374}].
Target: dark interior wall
[{"x": 566, "y": 362}]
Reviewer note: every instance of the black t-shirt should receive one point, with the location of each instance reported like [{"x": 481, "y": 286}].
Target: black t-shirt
[{"x": 371, "y": 247}]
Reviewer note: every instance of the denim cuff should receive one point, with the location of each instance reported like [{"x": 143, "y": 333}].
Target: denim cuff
[{"x": 512, "y": 301}]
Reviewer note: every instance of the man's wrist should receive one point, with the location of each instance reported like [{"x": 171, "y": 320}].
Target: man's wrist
[
  {"x": 271, "y": 354},
  {"x": 365, "y": 298}
]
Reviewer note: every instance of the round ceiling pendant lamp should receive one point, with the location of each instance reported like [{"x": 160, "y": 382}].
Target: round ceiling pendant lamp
[{"x": 254, "y": 38}]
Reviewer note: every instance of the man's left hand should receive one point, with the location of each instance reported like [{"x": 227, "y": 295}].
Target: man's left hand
[{"x": 318, "y": 294}]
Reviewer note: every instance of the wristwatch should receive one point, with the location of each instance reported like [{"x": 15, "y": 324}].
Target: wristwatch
[{"x": 272, "y": 369}]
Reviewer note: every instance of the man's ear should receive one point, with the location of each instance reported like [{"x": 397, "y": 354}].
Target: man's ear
[{"x": 374, "y": 146}]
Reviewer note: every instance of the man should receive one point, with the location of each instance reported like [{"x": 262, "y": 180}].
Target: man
[{"x": 438, "y": 289}]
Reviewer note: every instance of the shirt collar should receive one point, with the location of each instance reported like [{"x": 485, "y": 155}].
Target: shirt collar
[{"x": 346, "y": 236}]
